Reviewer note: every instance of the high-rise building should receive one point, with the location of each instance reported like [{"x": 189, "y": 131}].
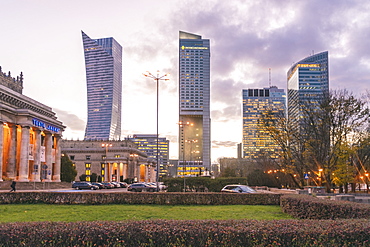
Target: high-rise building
[
  {"x": 148, "y": 144},
  {"x": 103, "y": 61},
  {"x": 194, "y": 103},
  {"x": 256, "y": 142},
  {"x": 308, "y": 83}
]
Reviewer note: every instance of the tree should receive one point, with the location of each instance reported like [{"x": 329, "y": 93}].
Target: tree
[
  {"x": 325, "y": 138},
  {"x": 68, "y": 172},
  {"x": 259, "y": 178},
  {"x": 330, "y": 130}
]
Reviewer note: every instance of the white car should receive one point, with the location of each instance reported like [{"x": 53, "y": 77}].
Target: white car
[{"x": 238, "y": 188}]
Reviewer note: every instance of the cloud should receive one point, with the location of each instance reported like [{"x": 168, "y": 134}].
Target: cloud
[
  {"x": 72, "y": 121},
  {"x": 223, "y": 144}
]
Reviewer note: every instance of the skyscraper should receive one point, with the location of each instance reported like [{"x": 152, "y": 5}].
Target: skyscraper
[
  {"x": 103, "y": 61},
  {"x": 194, "y": 102},
  {"x": 256, "y": 142},
  {"x": 148, "y": 144},
  {"x": 308, "y": 83}
]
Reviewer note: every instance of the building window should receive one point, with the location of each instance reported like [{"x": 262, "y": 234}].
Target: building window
[
  {"x": 88, "y": 157},
  {"x": 72, "y": 157},
  {"x": 102, "y": 165},
  {"x": 88, "y": 171}
]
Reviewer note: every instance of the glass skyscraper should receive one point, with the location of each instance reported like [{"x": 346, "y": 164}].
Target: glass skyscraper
[
  {"x": 308, "y": 83},
  {"x": 148, "y": 144},
  {"x": 194, "y": 103},
  {"x": 256, "y": 142},
  {"x": 103, "y": 61}
]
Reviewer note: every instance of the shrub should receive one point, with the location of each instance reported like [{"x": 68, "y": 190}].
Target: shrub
[
  {"x": 188, "y": 233},
  {"x": 140, "y": 198},
  {"x": 309, "y": 207}
]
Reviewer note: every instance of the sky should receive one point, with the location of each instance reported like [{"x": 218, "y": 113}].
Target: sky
[{"x": 42, "y": 39}]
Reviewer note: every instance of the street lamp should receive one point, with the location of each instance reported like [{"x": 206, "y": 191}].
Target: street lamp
[{"x": 157, "y": 78}]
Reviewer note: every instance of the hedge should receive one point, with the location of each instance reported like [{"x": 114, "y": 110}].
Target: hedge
[
  {"x": 167, "y": 198},
  {"x": 188, "y": 233},
  {"x": 309, "y": 207}
]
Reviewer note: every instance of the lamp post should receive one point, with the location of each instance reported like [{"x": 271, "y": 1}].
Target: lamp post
[
  {"x": 106, "y": 145},
  {"x": 157, "y": 78}
]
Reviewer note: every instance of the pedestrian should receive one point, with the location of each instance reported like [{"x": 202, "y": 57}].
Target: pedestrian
[{"x": 13, "y": 186}]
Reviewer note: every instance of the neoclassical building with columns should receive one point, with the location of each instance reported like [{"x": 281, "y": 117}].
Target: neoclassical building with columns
[
  {"x": 111, "y": 160},
  {"x": 30, "y": 135}
]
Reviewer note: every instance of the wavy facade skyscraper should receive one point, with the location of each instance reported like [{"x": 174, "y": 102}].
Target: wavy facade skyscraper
[
  {"x": 194, "y": 104},
  {"x": 103, "y": 62}
]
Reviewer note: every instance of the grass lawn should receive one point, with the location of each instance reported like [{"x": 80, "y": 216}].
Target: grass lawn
[{"x": 70, "y": 213}]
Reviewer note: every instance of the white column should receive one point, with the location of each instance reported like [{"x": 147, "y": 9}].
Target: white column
[
  {"x": 37, "y": 159},
  {"x": 124, "y": 172},
  {"x": 1, "y": 149},
  {"x": 138, "y": 171},
  {"x": 48, "y": 155},
  {"x": 58, "y": 156},
  {"x": 23, "y": 161},
  {"x": 10, "y": 169}
]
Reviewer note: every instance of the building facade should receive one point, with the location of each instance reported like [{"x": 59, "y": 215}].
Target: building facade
[
  {"x": 194, "y": 103},
  {"x": 103, "y": 62},
  {"x": 148, "y": 144},
  {"x": 308, "y": 83},
  {"x": 111, "y": 161},
  {"x": 30, "y": 135},
  {"x": 256, "y": 142}
]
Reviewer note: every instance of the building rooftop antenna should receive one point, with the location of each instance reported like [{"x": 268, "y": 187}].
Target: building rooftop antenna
[{"x": 269, "y": 77}]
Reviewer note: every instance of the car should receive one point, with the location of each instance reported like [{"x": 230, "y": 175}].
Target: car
[
  {"x": 238, "y": 188},
  {"x": 139, "y": 187},
  {"x": 108, "y": 185},
  {"x": 116, "y": 184},
  {"x": 84, "y": 186},
  {"x": 100, "y": 185},
  {"x": 161, "y": 185},
  {"x": 123, "y": 184}
]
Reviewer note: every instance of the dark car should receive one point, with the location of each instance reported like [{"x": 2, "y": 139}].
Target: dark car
[
  {"x": 238, "y": 188},
  {"x": 84, "y": 186},
  {"x": 139, "y": 187},
  {"x": 100, "y": 185},
  {"x": 123, "y": 184},
  {"x": 108, "y": 185}
]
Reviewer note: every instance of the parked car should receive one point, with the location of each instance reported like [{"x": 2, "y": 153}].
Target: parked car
[
  {"x": 139, "y": 187},
  {"x": 161, "y": 185},
  {"x": 116, "y": 184},
  {"x": 123, "y": 184},
  {"x": 100, "y": 185},
  {"x": 108, "y": 185},
  {"x": 238, "y": 188},
  {"x": 84, "y": 186}
]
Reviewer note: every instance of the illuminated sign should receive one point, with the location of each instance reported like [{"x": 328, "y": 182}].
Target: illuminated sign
[
  {"x": 193, "y": 48},
  {"x": 41, "y": 124},
  {"x": 308, "y": 65}
]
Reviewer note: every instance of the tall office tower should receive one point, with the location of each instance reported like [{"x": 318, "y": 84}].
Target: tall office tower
[
  {"x": 308, "y": 83},
  {"x": 148, "y": 144},
  {"x": 256, "y": 142},
  {"x": 103, "y": 61},
  {"x": 194, "y": 103}
]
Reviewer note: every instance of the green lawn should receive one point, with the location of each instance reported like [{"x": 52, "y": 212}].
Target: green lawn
[{"x": 70, "y": 213}]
